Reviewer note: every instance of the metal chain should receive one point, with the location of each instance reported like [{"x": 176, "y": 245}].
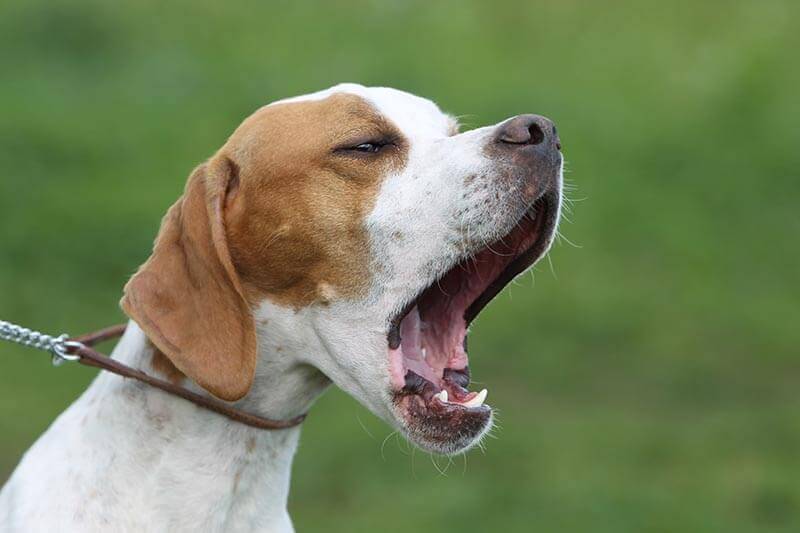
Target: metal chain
[{"x": 59, "y": 346}]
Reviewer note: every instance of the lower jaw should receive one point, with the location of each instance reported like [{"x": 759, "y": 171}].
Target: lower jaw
[{"x": 442, "y": 428}]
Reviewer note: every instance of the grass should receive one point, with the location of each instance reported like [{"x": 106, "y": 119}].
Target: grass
[{"x": 648, "y": 382}]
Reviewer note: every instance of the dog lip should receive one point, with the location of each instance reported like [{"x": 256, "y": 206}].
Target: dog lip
[
  {"x": 460, "y": 377},
  {"x": 432, "y": 404}
]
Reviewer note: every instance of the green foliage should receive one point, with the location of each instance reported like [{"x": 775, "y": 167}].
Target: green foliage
[{"x": 647, "y": 382}]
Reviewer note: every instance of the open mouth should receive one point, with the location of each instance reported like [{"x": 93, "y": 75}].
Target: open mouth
[{"x": 427, "y": 340}]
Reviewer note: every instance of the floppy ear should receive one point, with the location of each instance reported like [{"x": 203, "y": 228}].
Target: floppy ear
[{"x": 187, "y": 296}]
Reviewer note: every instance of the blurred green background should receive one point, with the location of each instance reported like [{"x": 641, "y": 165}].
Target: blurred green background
[{"x": 649, "y": 382}]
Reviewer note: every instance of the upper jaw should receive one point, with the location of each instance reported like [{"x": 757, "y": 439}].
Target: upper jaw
[
  {"x": 546, "y": 210},
  {"x": 544, "y": 213}
]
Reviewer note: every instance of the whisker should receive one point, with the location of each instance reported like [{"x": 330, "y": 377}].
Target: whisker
[
  {"x": 360, "y": 423},
  {"x": 383, "y": 444},
  {"x": 436, "y": 466}
]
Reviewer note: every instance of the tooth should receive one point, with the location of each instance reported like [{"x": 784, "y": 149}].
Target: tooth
[
  {"x": 424, "y": 353},
  {"x": 442, "y": 396},
  {"x": 477, "y": 400}
]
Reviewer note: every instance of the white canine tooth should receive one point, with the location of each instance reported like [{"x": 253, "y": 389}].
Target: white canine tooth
[
  {"x": 477, "y": 400},
  {"x": 442, "y": 396},
  {"x": 424, "y": 353}
]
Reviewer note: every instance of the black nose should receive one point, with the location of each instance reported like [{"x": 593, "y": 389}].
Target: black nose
[{"x": 527, "y": 130}]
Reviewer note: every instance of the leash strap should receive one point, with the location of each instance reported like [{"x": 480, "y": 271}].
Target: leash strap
[{"x": 80, "y": 349}]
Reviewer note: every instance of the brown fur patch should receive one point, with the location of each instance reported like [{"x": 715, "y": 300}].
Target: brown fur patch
[
  {"x": 296, "y": 224},
  {"x": 188, "y": 292},
  {"x": 278, "y": 212}
]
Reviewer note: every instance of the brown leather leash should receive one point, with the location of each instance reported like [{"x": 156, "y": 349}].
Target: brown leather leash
[{"x": 80, "y": 349}]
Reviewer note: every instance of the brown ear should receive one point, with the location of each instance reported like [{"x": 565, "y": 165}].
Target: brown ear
[{"x": 188, "y": 298}]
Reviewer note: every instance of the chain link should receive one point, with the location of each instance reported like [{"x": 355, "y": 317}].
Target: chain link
[{"x": 59, "y": 346}]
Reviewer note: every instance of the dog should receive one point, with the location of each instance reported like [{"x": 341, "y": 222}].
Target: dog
[{"x": 347, "y": 236}]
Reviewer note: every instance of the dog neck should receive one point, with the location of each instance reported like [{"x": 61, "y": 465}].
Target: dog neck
[{"x": 195, "y": 468}]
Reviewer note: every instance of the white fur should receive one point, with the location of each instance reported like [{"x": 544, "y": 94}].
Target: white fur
[{"x": 126, "y": 457}]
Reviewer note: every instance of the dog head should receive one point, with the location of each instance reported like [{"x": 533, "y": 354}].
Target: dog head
[{"x": 358, "y": 225}]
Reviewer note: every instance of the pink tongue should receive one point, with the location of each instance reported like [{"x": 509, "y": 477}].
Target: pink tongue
[{"x": 411, "y": 347}]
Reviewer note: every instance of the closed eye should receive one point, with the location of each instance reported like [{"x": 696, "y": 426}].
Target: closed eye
[{"x": 369, "y": 147}]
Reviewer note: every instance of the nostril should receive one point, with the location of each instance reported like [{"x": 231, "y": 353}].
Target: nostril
[
  {"x": 527, "y": 130},
  {"x": 537, "y": 135}
]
